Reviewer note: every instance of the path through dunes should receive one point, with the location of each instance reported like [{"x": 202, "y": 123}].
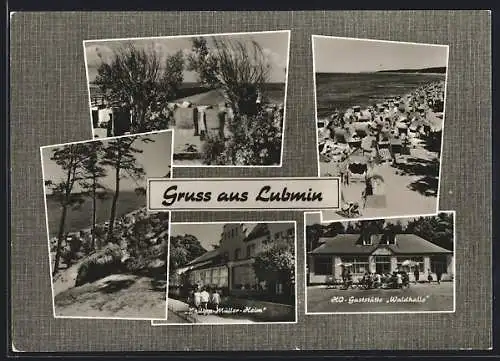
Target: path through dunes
[{"x": 115, "y": 296}]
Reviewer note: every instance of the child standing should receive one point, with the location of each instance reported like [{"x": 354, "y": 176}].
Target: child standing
[
  {"x": 204, "y": 300},
  {"x": 197, "y": 299},
  {"x": 216, "y": 299}
]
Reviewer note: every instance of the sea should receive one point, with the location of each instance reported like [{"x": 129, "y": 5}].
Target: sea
[
  {"x": 344, "y": 90},
  {"x": 81, "y": 218}
]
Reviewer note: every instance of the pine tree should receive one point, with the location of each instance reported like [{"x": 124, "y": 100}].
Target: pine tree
[
  {"x": 90, "y": 183},
  {"x": 70, "y": 158},
  {"x": 120, "y": 155}
]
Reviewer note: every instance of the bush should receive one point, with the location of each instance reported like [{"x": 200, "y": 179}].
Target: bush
[
  {"x": 255, "y": 140},
  {"x": 99, "y": 265},
  {"x": 213, "y": 151}
]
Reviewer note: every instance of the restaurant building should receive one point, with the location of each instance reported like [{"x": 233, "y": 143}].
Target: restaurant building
[
  {"x": 377, "y": 253},
  {"x": 230, "y": 265}
]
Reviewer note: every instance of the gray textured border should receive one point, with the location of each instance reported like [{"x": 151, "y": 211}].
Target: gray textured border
[{"x": 49, "y": 105}]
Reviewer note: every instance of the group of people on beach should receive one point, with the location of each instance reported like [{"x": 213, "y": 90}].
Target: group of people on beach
[
  {"x": 392, "y": 118},
  {"x": 203, "y": 299}
]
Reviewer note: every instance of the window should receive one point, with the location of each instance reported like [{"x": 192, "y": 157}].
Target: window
[
  {"x": 250, "y": 250},
  {"x": 360, "y": 265},
  {"x": 439, "y": 264},
  {"x": 367, "y": 241},
  {"x": 237, "y": 253},
  {"x": 419, "y": 262},
  {"x": 215, "y": 276},
  {"x": 323, "y": 266},
  {"x": 388, "y": 239},
  {"x": 223, "y": 277},
  {"x": 383, "y": 264}
]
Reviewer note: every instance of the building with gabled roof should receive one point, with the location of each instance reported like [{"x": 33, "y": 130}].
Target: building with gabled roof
[
  {"x": 230, "y": 265},
  {"x": 377, "y": 253}
]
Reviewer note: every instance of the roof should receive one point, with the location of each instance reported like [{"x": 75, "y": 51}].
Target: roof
[
  {"x": 350, "y": 244},
  {"x": 259, "y": 230},
  {"x": 209, "y": 255}
]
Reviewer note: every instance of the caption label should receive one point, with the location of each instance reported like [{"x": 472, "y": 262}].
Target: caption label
[{"x": 166, "y": 194}]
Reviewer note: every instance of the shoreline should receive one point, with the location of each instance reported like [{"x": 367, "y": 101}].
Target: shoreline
[{"x": 365, "y": 107}]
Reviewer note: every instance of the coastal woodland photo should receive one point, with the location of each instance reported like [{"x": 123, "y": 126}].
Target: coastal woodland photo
[
  {"x": 231, "y": 273},
  {"x": 223, "y": 95},
  {"x": 107, "y": 253},
  {"x": 393, "y": 265},
  {"x": 379, "y": 115}
]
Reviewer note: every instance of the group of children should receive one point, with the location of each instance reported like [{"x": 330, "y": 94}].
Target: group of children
[{"x": 201, "y": 299}]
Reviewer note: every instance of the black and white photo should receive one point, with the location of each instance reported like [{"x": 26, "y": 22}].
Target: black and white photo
[
  {"x": 379, "y": 115},
  {"x": 223, "y": 95},
  {"x": 232, "y": 273},
  {"x": 107, "y": 254},
  {"x": 386, "y": 265}
]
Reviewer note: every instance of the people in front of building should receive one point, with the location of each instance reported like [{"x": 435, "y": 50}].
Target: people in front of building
[
  {"x": 197, "y": 299},
  {"x": 205, "y": 298},
  {"x": 216, "y": 299},
  {"x": 429, "y": 277},
  {"x": 439, "y": 274},
  {"x": 416, "y": 273},
  {"x": 343, "y": 274},
  {"x": 378, "y": 280},
  {"x": 399, "y": 280}
]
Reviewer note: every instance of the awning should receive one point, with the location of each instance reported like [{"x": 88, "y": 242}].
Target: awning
[{"x": 189, "y": 268}]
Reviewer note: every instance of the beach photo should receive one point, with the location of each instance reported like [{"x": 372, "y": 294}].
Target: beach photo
[
  {"x": 223, "y": 95},
  {"x": 231, "y": 273},
  {"x": 385, "y": 265},
  {"x": 379, "y": 117},
  {"x": 107, "y": 254}
]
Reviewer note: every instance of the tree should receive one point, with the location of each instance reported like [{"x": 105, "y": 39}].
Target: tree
[
  {"x": 137, "y": 81},
  {"x": 70, "y": 158},
  {"x": 437, "y": 229},
  {"x": 240, "y": 72},
  {"x": 333, "y": 229},
  {"x": 313, "y": 233},
  {"x": 184, "y": 249},
  {"x": 120, "y": 155},
  {"x": 276, "y": 264},
  {"x": 93, "y": 171},
  {"x": 395, "y": 228}
]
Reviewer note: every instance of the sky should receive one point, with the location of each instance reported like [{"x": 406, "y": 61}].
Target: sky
[
  {"x": 339, "y": 55},
  {"x": 208, "y": 234},
  {"x": 156, "y": 159},
  {"x": 274, "y": 45}
]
